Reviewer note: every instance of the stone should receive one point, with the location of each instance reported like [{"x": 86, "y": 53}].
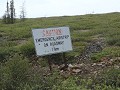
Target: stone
[
  {"x": 94, "y": 64},
  {"x": 76, "y": 71}
]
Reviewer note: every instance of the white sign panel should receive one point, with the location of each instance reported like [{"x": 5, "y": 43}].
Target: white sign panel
[{"x": 52, "y": 40}]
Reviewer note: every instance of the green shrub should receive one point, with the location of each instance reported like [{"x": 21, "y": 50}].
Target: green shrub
[
  {"x": 1, "y": 35},
  {"x": 109, "y": 78},
  {"x": 112, "y": 77},
  {"x": 14, "y": 73},
  {"x": 113, "y": 51},
  {"x": 27, "y": 49},
  {"x": 40, "y": 82},
  {"x": 117, "y": 43},
  {"x": 96, "y": 57},
  {"x": 113, "y": 41},
  {"x": 8, "y": 44},
  {"x": 113, "y": 36},
  {"x": 68, "y": 84},
  {"x": 3, "y": 54},
  {"x": 7, "y": 52},
  {"x": 108, "y": 51}
]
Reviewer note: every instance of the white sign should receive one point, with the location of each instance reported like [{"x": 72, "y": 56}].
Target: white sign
[{"x": 52, "y": 40}]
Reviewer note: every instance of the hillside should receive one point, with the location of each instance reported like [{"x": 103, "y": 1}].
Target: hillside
[{"x": 93, "y": 64}]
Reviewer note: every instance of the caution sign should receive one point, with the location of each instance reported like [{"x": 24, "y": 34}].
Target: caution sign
[{"x": 52, "y": 40}]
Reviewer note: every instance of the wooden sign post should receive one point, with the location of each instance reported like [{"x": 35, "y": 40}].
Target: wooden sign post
[
  {"x": 64, "y": 59},
  {"x": 49, "y": 41},
  {"x": 49, "y": 63}
]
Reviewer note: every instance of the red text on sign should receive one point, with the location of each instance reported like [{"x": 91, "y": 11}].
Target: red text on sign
[{"x": 53, "y": 32}]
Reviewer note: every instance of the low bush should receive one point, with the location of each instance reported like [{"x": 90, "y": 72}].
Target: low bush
[
  {"x": 8, "y": 44},
  {"x": 108, "y": 51},
  {"x": 112, "y": 77},
  {"x": 38, "y": 81},
  {"x": 7, "y": 52},
  {"x": 14, "y": 73},
  {"x": 96, "y": 57},
  {"x": 27, "y": 49},
  {"x": 3, "y": 54},
  {"x": 109, "y": 78}
]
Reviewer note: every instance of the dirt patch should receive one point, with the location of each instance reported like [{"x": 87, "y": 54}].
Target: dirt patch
[
  {"x": 93, "y": 47},
  {"x": 82, "y": 31},
  {"x": 22, "y": 41}
]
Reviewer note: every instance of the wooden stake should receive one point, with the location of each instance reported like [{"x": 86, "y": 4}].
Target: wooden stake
[
  {"x": 49, "y": 63},
  {"x": 64, "y": 59}
]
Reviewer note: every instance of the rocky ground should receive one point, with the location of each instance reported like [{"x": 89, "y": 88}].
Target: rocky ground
[{"x": 83, "y": 66}]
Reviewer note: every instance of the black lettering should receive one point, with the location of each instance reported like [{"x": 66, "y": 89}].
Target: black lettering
[
  {"x": 55, "y": 49},
  {"x": 52, "y": 38},
  {"x": 56, "y": 43},
  {"x": 36, "y": 40},
  {"x": 45, "y": 44}
]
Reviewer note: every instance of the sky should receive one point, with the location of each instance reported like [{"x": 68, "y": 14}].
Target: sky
[{"x": 49, "y": 8}]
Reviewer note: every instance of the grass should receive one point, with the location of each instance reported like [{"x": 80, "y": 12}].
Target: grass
[{"x": 17, "y": 39}]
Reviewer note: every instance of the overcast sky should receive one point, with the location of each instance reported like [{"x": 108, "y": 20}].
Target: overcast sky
[{"x": 46, "y": 8}]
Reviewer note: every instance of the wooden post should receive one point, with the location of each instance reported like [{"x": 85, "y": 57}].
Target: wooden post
[
  {"x": 64, "y": 59},
  {"x": 49, "y": 63}
]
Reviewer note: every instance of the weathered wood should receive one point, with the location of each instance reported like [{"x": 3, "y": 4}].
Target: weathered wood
[
  {"x": 49, "y": 63},
  {"x": 64, "y": 59}
]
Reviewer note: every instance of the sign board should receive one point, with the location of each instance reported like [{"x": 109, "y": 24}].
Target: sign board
[{"x": 52, "y": 40}]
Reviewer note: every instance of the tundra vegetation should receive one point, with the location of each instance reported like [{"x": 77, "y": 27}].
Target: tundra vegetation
[{"x": 20, "y": 69}]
